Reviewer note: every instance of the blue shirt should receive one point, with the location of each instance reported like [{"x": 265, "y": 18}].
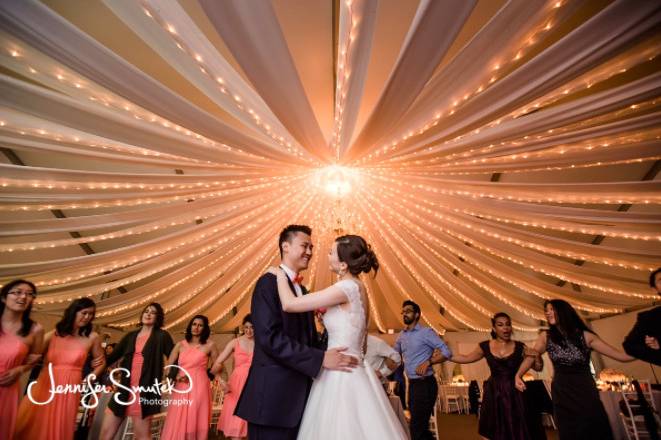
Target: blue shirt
[{"x": 416, "y": 346}]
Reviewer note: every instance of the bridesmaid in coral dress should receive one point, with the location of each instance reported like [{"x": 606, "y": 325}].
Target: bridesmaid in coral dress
[
  {"x": 19, "y": 336},
  {"x": 68, "y": 346},
  {"x": 243, "y": 347},
  {"x": 189, "y": 411}
]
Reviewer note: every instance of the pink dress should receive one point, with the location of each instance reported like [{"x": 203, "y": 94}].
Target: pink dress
[
  {"x": 189, "y": 413},
  {"x": 135, "y": 409},
  {"x": 12, "y": 353},
  {"x": 231, "y": 425},
  {"x": 55, "y": 420}
]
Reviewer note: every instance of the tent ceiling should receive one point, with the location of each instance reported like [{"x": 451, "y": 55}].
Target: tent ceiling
[{"x": 493, "y": 153}]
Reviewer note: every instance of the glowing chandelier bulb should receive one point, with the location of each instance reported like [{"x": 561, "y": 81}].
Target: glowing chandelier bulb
[{"x": 336, "y": 180}]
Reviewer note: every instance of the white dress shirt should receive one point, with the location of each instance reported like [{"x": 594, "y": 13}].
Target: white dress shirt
[
  {"x": 377, "y": 352},
  {"x": 291, "y": 274}
]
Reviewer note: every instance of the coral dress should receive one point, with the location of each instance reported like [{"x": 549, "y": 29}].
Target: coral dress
[
  {"x": 189, "y": 413},
  {"x": 56, "y": 420},
  {"x": 12, "y": 353},
  {"x": 135, "y": 409},
  {"x": 231, "y": 425}
]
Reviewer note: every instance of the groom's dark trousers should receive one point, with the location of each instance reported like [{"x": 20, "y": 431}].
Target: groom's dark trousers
[
  {"x": 287, "y": 356},
  {"x": 259, "y": 432}
]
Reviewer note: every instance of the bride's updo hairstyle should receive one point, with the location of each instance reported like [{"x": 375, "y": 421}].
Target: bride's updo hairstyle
[{"x": 357, "y": 254}]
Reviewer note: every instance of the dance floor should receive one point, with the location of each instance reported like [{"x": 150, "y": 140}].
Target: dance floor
[
  {"x": 463, "y": 427},
  {"x": 450, "y": 427}
]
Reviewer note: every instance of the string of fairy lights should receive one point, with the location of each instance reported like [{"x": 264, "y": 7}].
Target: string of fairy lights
[{"x": 469, "y": 212}]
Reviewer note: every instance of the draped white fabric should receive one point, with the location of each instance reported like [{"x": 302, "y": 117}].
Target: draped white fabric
[{"x": 494, "y": 154}]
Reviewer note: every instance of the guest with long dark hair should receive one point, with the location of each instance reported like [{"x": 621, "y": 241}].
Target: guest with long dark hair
[
  {"x": 143, "y": 353},
  {"x": 578, "y": 410},
  {"x": 67, "y": 348},
  {"x": 502, "y": 414},
  {"x": 232, "y": 426},
  {"x": 21, "y": 342},
  {"x": 190, "y": 415}
]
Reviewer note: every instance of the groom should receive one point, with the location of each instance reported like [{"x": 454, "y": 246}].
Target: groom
[{"x": 287, "y": 352}]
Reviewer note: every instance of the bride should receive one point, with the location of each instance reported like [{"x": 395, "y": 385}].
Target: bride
[{"x": 344, "y": 404}]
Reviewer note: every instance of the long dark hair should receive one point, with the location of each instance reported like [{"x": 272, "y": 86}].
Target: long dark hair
[
  {"x": 206, "y": 331},
  {"x": 26, "y": 322},
  {"x": 493, "y": 321},
  {"x": 357, "y": 254},
  {"x": 568, "y": 325},
  {"x": 65, "y": 325},
  {"x": 160, "y": 315}
]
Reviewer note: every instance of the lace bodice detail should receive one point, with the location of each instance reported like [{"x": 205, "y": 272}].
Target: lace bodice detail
[
  {"x": 569, "y": 354},
  {"x": 346, "y": 328}
]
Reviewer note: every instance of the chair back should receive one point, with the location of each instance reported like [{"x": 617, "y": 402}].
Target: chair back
[
  {"x": 157, "y": 422},
  {"x": 634, "y": 407}
]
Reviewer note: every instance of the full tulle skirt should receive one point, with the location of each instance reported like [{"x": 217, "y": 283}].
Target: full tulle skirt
[{"x": 349, "y": 405}]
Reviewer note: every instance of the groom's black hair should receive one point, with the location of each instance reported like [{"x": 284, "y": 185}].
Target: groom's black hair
[{"x": 288, "y": 233}]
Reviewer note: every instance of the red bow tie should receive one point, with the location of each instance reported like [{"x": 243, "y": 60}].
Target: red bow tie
[{"x": 298, "y": 279}]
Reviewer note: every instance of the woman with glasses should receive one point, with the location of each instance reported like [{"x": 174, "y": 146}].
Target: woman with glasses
[{"x": 20, "y": 346}]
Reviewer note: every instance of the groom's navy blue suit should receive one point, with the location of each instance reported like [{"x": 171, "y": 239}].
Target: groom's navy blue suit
[{"x": 287, "y": 356}]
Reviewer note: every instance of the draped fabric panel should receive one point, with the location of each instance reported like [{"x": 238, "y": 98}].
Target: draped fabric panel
[{"x": 493, "y": 154}]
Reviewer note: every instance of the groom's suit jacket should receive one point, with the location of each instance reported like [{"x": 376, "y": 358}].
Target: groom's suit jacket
[{"x": 287, "y": 356}]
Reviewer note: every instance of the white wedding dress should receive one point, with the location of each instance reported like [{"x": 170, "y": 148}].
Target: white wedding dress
[{"x": 349, "y": 405}]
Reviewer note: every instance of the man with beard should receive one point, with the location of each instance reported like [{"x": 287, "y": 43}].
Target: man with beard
[{"x": 416, "y": 344}]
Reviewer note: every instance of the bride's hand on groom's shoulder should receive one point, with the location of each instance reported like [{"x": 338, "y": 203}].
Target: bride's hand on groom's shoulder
[{"x": 272, "y": 270}]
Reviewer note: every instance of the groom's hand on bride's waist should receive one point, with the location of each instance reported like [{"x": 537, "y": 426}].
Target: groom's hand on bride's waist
[{"x": 336, "y": 359}]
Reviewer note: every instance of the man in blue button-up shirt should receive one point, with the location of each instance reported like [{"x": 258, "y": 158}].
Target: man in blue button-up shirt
[{"x": 416, "y": 344}]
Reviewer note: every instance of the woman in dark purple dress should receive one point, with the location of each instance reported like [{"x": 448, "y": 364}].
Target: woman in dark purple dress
[{"x": 502, "y": 414}]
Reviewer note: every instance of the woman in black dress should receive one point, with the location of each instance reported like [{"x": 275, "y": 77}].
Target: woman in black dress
[
  {"x": 142, "y": 352},
  {"x": 502, "y": 414},
  {"x": 578, "y": 410}
]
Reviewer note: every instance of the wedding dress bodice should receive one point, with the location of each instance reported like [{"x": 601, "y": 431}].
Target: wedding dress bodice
[
  {"x": 349, "y": 405},
  {"x": 346, "y": 328}
]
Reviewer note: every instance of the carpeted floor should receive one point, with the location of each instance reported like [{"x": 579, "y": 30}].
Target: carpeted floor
[{"x": 450, "y": 427}]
